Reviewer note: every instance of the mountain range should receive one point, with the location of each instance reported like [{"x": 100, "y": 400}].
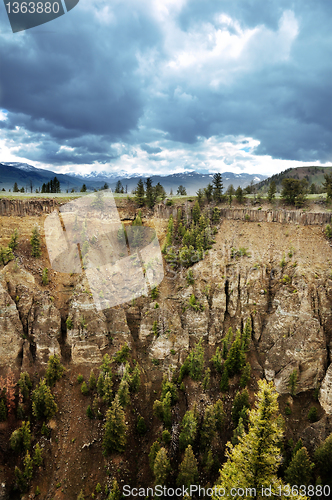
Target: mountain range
[{"x": 25, "y": 175}]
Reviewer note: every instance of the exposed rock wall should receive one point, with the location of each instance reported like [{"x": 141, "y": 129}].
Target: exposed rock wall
[
  {"x": 23, "y": 208},
  {"x": 254, "y": 215}
]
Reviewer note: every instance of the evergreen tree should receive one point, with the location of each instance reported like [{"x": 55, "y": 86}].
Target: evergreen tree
[
  {"x": 6, "y": 255},
  {"x": 115, "y": 493},
  {"x": 224, "y": 382},
  {"x": 35, "y": 243},
  {"x": 300, "y": 468},
  {"x": 43, "y": 404},
  {"x": 238, "y": 432},
  {"x": 115, "y": 428},
  {"x": 219, "y": 415},
  {"x": 161, "y": 467},
  {"x": 15, "y": 188},
  {"x": 100, "y": 385},
  {"x": 13, "y": 244},
  {"x": 181, "y": 191},
  {"x": 208, "y": 191},
  {"x": 188, "y": 430},
  {"x": 327, "y": 185},
  {"x": 83, "y": 189},
  {"x": 106, "y": 365},
  {"x": 217, "y": 187},
  {"x": 168, "y": 386},
  {"x": 54, "y": 371},
  {"x": 235, "y": 358},
  {"x": 254, "y": 462},
  {"x": 118, "y": 187},
  {"x": 188, "y": 470},
  {"x": 28, "y": 466},
  {"x": 217, "y": 361},
  {"x": 153, "y": 453},
  {"x": 271, "y": 194},
  {"x": 37, "y": 456},
  {"x": 292, "y": 383},
  {"x": 196, "y": 361},
  {"x": 107, "y": 389},
  {"x": 230, "y": 193},
  {"x": 239, "y": 195},
  {"x": 196, "y": 212},
  {"x": 84, "y": 389},
  {"x": 123, "y": 393},
  {"x": 141, "y": 426},
  {"x": 245, "y": 375},
  {"x": 24, "y": 384},
  {"x": 323, "y": 460},
  {"x": 240, "y": 406},
  {"x": 135, "y": 381},
  {"x": 200, "y": 196},
  {"x": 20, "y": 440},
  {"x": 246, "y": 337},
  {"x": 208, "y": 430},
  {"x": 139, "y": 196},
  {"x": 149, "y": 192},
  {"x": 89, "y": 412}
]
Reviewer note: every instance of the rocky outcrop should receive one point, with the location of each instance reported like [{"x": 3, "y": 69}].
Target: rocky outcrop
[
  {"x": 11, "y": 330},
  {"x": 252, "y": 215},
  {"x": 23, "y": 208},
  {"x": 325, "y": 393}
]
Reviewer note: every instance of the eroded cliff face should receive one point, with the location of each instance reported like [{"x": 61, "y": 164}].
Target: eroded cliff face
[
  {"x": 289, "y": 304},
  {"x": 283, "y": 284}
]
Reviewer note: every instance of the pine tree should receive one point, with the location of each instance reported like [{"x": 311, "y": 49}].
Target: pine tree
[
  {"x": 188, "y": 470},
  {"x": 54, "y": 371},
  {"x": 292, "y": 383},
  {"x": 323, "y": 460},
  {"x": 246, "y": 336},
  {"x": 240, "y": 406},
  {"x": 217, "y": 187},
  {"x": 118, "y": 187},
  {"x": 139, "y": 197},
  {"x": 24, "y": 384},
  {"x": 196, "y": 361},
  {"x": 196, "y": 212},
  {"x": 28, "y": 466},
  {"x": 149, "y": 192},
  {"x": 15, "y": 188},
  {"x": 84, "y": 389},
  {"x": 35, "y": 243},
  {"x": 254, "y": 462},
  {"x": 115, "y": 428},
  {"x": 161, "y": 467},
  {"x": 208, "y": 430},
  {"x": 271, "y": 194},
  {"x": 20, "y": 440},
  {"x": 135, "y": 382},
  {"x": 153, "y": 453},
  {"x": 219, "y": 414},
  {"x": 89, "y": 412},
  {"x": 208, "y": 191},
  {"x": 217, "y": 360},
  {"x": 188, "y": 430},
  {"x": 224, "y": 385},
  {"x": 245, "y": 375},
  {"x": 115, "y": 493},
  {"x": 37, "y": 456},
  {"x": 123, "y": 393},
  {"x": 235, "y": 358},
  {"x": 13, "y": 244},
  {"x": 100, "y": 385},
  {"x": 300, "y": 468},
  {"x": 43, "y": 404},
  {"x": 141, "y": 426},
  {"x": 107, "y": 389}
]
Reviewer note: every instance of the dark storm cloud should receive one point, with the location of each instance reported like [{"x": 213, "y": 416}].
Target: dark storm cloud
[{"x": 122, "y": 78}]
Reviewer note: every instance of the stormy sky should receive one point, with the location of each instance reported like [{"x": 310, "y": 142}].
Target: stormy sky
[{"x": 162, "y": 86}]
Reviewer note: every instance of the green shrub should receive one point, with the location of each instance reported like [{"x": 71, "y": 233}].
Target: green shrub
[
  {"x": 45, "y": 276},
  {"x": 80, "y": 378},
  {"x": 328, "y": 231},
  {"x": 122, "y": 355},
  {"x": 69, "y": 323},
  {"x": 166, "y": 436},
  {"x": 84, "y": 389}
]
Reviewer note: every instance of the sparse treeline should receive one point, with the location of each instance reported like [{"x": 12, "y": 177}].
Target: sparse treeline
[
  {"x": 147, "y": 194},
  {"x": 53, "y": 186},
  {"x": 188, "y": 240}
]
